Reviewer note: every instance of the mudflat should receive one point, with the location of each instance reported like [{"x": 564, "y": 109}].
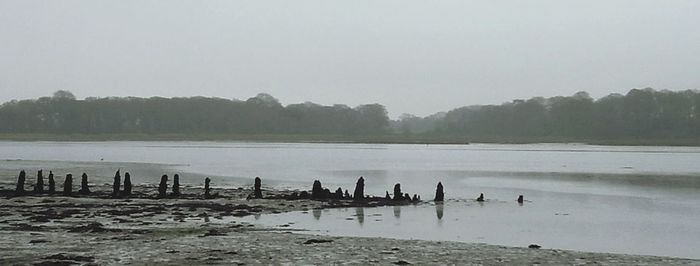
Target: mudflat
[{"x": 191, "y": 230}]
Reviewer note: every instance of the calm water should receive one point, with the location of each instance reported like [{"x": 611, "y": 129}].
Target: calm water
[{"x": 640, "y": 200}]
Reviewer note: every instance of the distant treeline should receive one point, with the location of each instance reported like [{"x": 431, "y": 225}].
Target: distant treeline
[
  {"x": 263, "y": 114},
  {"x": 640, "y": 114}
]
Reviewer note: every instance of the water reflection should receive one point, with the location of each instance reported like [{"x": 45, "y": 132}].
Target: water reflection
[
  {"x": 360, "y": 213},
  {"x": 397, "y": 212},
  {"x": 439, "y": 210},
  {"x": 316, "y": 213}
]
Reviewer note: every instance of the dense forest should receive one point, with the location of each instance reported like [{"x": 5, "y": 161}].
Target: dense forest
[
  {"x": 640, "y": 114},
  {"x": 263, "y": 114}
]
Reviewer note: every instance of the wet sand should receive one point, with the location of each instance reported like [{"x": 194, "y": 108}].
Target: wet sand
[{"x": 99, "y": 230}]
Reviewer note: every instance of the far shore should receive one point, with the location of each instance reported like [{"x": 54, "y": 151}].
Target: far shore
[{"x": 374, "y": 139}]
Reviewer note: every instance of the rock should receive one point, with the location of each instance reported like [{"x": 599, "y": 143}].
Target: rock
[
  {"x": 315, "y": 241},
  {"x": 346, "y": 195},
  {"x": 534, "y": 246},
  {"x": 402, "y": 262},
  {"x": 52, "y": 183},
  {"x": 304, "y": 195},
  {"x": 84, "y": 189},
  {"x": 397, "y": 192},
  {"x": 407, "y": 197},
  {"x": 55, "y": 263},
  {"x": 68, "y": 185},
  {"x": 62, "y": 256},
  {"x": 176, "y": 185},
  {"x": 116, "y": 184},
  {"x": 387, "y": 196},
  {"x": 39, "y": 187},
  {"x": 480, "y": 198},
  {"x": 359, "y": 193},
  {"x": 127, "y": 184},
  {"x": 439, "y": 193},
  {"x": 257, "y": 188},
  {"x": 163, "y": 186},
  {"x": 20, "y": 182},
  {"x": 415, "y": 198},
  {"x": 93, "y": 227},
  {"x": 520, "y": 199}
]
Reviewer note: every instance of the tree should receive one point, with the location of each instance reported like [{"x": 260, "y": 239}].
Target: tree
[{"x": 63, "y": 95}]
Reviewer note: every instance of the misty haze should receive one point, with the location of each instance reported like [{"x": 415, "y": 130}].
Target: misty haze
[{"x": 349, "y": 132}]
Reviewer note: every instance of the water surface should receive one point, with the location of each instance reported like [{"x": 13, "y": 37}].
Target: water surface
[{"x": 639, "y": 200}]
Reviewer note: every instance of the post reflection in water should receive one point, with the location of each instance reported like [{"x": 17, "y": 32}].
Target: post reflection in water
[
  {"x": 439, "y": 210},
  {"x": 316, "y": 213},
  {"x": 360, "y": 213},
  {"x": 397, "y": 211}
]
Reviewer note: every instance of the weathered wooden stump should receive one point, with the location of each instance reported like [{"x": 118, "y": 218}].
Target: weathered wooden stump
[
  {"x": 52, "y": 183},
  {"x": 84, "y": 189},
  {"x": 257, "y": 188},
  {"x": 163, "y": 186},
  {"x": 359, "y": 193},
  {"x": 397, "y": 192},
  {"x": 39, "y": 187},
  {"x": 68, "y": 185},
  {"x": 176, "y": 185},
  {"x": 116, "y": 184},
  {"x": 439, "y": 192},
  {"x": 127, "y": 184},
  {"x": 19, "y": 190}
]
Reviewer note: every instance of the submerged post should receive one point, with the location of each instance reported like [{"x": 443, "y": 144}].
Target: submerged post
[
  {"x": 163, "y": 186},
  {"x": 397, "y": 192},
  {"x": 52, "y": 183},
  {"x": 116, "y": 184},
  {"x": 20, "y": 182},
  {"x": 176, "y": 185},
  {"x": 68, "y": 185},
  {"x": 84, "y": 189},
  {"x": 359, "y": 193},
  {"x": 439, "y": 193},
  {"x": 39, "y": 187},
  {"x": 257, "y": 188},
  {"x": 127, "y": 184}
]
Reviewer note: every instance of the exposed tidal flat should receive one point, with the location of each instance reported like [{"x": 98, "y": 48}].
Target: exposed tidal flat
[{"x": 566, "y": 208}]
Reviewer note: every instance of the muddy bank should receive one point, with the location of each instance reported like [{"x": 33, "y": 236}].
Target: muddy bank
[
  {"x": 98, "y": 230},
  {"x": 101, "y": 229}
]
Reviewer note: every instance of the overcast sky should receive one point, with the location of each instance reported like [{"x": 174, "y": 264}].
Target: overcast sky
[{"x": 416, "y": 57}]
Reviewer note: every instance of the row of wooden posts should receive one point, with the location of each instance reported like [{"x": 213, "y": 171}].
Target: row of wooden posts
[
  {"x": 117, "y": 190},
  {"x": 317, "y": 190}
]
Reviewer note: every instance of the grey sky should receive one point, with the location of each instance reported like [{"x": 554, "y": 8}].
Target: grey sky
[{"x": 413, "y": 56}]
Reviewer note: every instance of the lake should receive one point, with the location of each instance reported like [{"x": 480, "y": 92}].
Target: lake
[{"x": 636, "y": 200}]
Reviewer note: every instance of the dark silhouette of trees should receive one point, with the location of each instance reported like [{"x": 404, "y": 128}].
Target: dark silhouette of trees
[
  {"x": 262, "y": 114},
  {"x": 640, "y": 114}
]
